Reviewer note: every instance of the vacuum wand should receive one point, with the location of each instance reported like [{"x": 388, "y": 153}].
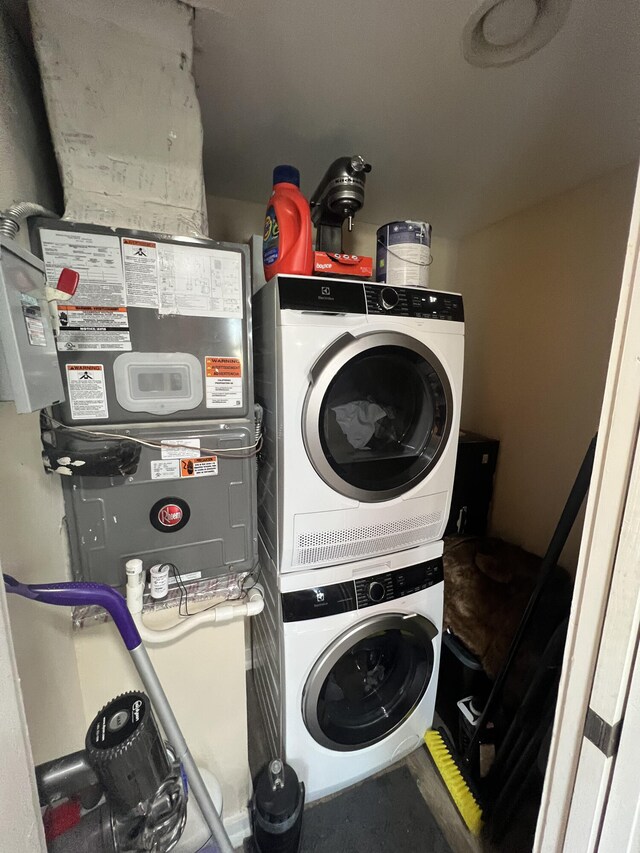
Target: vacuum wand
[
  {"x": 73, "y": 594},
  {"x": 338, "y": 197}
]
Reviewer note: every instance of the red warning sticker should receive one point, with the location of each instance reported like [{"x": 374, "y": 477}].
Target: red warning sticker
[
  {"x": 222, "y": 366},
  {"x": 205, "y": 466},
  {"x": 223, "y": 382}
]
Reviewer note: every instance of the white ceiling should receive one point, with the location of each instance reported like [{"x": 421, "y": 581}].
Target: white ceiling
[{"x": 306, "y": 81}]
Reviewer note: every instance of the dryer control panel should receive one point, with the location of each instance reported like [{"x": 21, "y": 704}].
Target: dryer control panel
[
  {"x": 318, "y": 602},
  {"x": 336, "y": 296},
  {"x": 413, "y": 302}
]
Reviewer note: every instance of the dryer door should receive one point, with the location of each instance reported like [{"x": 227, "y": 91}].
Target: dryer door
[
  {"x": 377, "y": 415},
  {"x": 369, "y": 680}
]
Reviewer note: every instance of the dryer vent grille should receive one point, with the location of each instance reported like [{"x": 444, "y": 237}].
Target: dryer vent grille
[{"x": 325, "y": 546}]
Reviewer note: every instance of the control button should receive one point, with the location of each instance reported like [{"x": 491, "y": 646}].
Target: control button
[
  {"x": 118, "y": 721},
  {"x": 388, "y": 298},
  {"x": 376, "y": 592}
]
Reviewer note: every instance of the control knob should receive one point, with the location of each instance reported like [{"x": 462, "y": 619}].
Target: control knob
[
  {"x": 376, "y": 592},
  {"x": 388, "y": 298}
]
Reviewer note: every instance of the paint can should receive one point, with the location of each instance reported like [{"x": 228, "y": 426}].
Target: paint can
[{"x": 403, "y": 253}]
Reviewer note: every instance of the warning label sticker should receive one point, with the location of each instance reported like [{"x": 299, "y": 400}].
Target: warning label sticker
[
  {"x": 87, "y": 391},
  {"x": 140, "y": 264},
  {"x": 223, "y": 377},
  {"x": 91, "y": 329},
  {"x": 206, "y": 466},
  {"x": 165, "y": 469}
]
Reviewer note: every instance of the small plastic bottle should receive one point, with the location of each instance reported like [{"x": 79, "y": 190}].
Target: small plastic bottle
[{"x": 287, "y": 246}]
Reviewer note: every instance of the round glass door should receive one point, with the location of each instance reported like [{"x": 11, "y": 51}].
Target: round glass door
[
  {"x": 377, "y": 415},
  {"x": 369, "y": 681}
]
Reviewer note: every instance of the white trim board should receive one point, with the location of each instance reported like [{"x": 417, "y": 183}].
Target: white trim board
[
  {"x": 20, "y": 822},
  {"x": 614, "y": 456},
  {"x": 238, "y": 827}
]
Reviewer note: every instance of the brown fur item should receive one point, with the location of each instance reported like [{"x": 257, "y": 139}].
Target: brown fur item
[{"x": 487, "y": 584}]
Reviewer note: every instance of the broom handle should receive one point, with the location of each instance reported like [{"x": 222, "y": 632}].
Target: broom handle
[{"x": 549, "y": 563}]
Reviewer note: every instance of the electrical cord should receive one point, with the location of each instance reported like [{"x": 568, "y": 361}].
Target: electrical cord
[
  {"x": 183, "y": 604},
  {"x": 97, "y": 435}
]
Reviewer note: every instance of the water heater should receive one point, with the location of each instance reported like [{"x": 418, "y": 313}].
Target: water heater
[{"x": 156, "y": 437}]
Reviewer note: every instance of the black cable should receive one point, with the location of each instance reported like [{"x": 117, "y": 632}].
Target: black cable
[{"x": 183, "y": 604}]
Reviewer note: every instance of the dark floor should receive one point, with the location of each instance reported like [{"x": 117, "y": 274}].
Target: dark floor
[
  {"x": 385, "y": 814},
  {"x": 372, "y": 811}
]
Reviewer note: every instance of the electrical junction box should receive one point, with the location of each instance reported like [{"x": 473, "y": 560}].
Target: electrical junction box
[{"x": 29, "y": 372}]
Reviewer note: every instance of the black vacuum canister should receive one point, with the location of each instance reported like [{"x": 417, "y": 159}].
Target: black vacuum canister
[
  {"x": 277, "y": 808},
  {"x": 126, "y": 751}
]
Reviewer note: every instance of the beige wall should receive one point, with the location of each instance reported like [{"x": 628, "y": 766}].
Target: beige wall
[
  {"x": 541, "y": 290},
  {"x": 237, "y": 221},
  {"x": 32, "y": 540}
]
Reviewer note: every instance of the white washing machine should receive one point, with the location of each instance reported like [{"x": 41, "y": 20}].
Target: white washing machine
[
  {"x": 346, "y": 670},
  {"x": 361, "y": 386}
]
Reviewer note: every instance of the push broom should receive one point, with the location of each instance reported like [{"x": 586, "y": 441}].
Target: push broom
[{"x": 454, "y": 769}]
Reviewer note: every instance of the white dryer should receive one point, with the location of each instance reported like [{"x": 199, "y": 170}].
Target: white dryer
[
  {"x": 361, "y": 386},
  {"x": 346, "y": 669}
]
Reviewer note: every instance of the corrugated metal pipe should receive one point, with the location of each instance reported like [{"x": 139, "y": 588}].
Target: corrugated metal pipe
[{"x": 12, "y": 218}]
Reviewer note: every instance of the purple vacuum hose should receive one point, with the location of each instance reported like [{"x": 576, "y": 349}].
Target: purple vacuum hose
[{"x": 78, "y": 595}]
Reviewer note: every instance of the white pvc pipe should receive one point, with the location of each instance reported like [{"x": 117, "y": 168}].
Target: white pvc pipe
[{"x": 224, "y": 612}]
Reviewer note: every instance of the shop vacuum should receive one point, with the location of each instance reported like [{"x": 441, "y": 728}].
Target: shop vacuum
[
  {"x": 145, "y": 782},
  {"x": 125, "y": 759}
]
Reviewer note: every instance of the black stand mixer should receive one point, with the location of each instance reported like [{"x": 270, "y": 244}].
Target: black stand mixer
[{"x": 338, "y": 197}]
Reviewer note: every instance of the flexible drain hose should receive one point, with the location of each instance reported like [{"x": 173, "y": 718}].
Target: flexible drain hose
[{"x": 14, "y": 216}]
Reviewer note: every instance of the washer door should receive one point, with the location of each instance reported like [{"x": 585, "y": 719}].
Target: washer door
[
  {"x": 377, "y": 415},
  {"x": 369, "y": 681}
]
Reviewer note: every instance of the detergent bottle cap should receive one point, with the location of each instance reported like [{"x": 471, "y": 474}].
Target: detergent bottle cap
[{"x": 286, "y": 174}]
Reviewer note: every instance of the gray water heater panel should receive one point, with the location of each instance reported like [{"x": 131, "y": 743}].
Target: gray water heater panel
[
  {"x": 197, "y": 511},
  {"x": 159, "y": 337}
]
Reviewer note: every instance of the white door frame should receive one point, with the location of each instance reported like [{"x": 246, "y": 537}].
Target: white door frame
[
  {"x": 602, "y": 635},
  {"x": 20, "y": 822}
]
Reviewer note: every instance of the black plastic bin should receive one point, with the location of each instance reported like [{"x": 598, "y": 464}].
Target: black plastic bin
[{"x": 461, "y": 675}]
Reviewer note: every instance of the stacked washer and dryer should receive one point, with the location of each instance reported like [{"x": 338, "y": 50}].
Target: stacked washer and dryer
[{"x": 361, "y": 387}]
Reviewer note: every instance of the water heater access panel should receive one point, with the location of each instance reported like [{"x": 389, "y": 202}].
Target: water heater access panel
[{"x": 158, "y": 329}]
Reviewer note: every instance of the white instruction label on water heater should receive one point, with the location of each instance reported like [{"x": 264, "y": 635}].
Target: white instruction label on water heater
[
  {"x": 179, "y": 448},
  {"x": 165, "y": 469},
  {"x": 87, "y": 391},
  {"x": 96, "y": 257},
  {"x": 197, "y": 282}
]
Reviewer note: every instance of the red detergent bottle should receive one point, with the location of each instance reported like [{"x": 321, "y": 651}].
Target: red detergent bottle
[{"x": 287, "y": 246}]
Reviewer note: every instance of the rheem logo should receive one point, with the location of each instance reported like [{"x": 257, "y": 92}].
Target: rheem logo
[{"x": 169, "y": 514}]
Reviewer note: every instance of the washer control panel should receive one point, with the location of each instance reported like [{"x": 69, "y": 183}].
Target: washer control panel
[
  {"x": 319, "y": 601},
  {"x": 391, "y": 585}
]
